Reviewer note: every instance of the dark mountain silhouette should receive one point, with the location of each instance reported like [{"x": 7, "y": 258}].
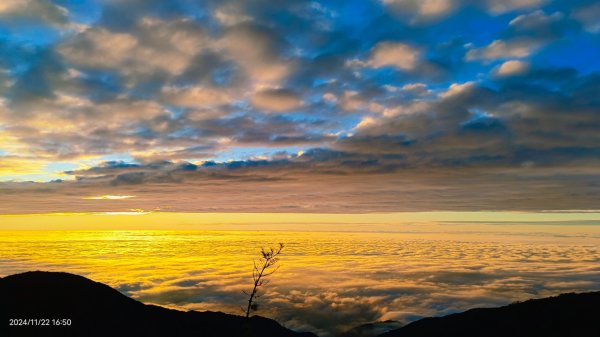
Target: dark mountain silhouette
[
  {"x": 98, "y": 310},
  {"x": 567, "y": 315}
]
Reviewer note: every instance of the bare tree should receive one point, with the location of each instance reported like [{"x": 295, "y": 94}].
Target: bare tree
[{"x": 263, "y": 267}]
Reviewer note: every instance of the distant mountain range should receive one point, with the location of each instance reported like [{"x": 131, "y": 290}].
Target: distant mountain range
[{"x": 95, "y": 310}]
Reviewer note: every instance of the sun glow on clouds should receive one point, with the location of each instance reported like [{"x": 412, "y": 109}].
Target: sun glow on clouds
[
  {"x": 331, "y": 281},
  {"x": 156, "y": 219},
  {"x": 109, "y": 197},
  {"x": 513, "y": 67},
  {"x": 298, "y": 119},
  {"x": 131, "y": 212}
]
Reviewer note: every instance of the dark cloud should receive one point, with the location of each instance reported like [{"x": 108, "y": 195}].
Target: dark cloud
[
  {"x": 473, "y": 120},
  {"x": 525, "y": 35}
]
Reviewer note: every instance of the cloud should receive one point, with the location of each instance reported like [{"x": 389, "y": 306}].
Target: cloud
[
  {"x": 231, "y": 14},
  {"x": 422, "y": 10},
  {"x": 470, "y": 113},
  {"x": 537, "y": 20},
  {"x": 588, "y": 16},
  {"x": 358, "y": 88},
  {"x": 43, "y": 10},
  {"x": 502, "y": 6},
  {"x": 109, "y": 197},
  {"x": 154, "y": 46},
  {"x": 524, "y": 35},
  {"x": 498, "y": 49},
  {"x": 366, "y": 121},
  {"x": 348, "y": 278},
  {"x": 468, "y": 125},
  {"x": 384, "y": 173},
  {"x": 256, "y": 50},
  {"x": 14, "y": 166},
  {"x": 458, "y": 88},
  {"x": 196, "y": 97},
  {"x": 76, "y": 127},
  {"x": 513, "y": 67},
  {"x": 277, "y": 100},
  {"x": 309, "y": 107},
  {"x": 398, "y": 55},
  {"x": 419, "y": 89},
  {"x": 351, "y": 101}
]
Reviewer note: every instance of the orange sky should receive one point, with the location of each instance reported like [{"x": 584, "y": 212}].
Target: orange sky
[{"x": 394, "y": 222}]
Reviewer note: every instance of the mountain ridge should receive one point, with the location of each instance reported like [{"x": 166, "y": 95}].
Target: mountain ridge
[
  {"x": 95, "y": 310},
  {"x": 565, "y": 315}
]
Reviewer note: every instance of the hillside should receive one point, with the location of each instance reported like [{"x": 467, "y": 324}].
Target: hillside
[
  {"x": 98, "y": 310},
  {"x": 567, "y": 315}
]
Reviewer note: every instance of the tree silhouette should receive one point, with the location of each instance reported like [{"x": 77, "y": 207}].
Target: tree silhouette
[{"x": 263, "y": 267}]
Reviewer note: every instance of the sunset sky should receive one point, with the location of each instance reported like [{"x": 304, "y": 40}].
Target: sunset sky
[
  {"x": 417, "y": 157},
  {"x": 299, "y": 106}
]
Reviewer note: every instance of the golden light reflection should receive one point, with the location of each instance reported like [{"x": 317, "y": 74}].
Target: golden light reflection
[
  {"x": 417, "y": 222},
  {"x": 343, "y": 269},
  {"x": 109, "y": 197},
  {"x": 343, "y": 278},
  {"x": 15, "y": 166}
]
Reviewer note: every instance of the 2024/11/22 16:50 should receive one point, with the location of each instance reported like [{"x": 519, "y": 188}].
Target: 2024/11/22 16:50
[{"x": 39, "y": 322}]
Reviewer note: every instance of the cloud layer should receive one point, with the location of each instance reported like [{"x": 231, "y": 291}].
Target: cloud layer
[
  {"x": 184, "y": 95},
  {"x": 328, "y": 282}
]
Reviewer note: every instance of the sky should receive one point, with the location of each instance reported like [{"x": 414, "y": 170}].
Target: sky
[{"x": 299, "y": 106}]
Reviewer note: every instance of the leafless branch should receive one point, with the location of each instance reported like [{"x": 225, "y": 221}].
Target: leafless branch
[{"x": 269, "y": 258}]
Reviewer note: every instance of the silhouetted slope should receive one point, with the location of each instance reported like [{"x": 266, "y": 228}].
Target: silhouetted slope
[
  {"x": 96, "y": 309},
  {"x": 568, "y": 315}
]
